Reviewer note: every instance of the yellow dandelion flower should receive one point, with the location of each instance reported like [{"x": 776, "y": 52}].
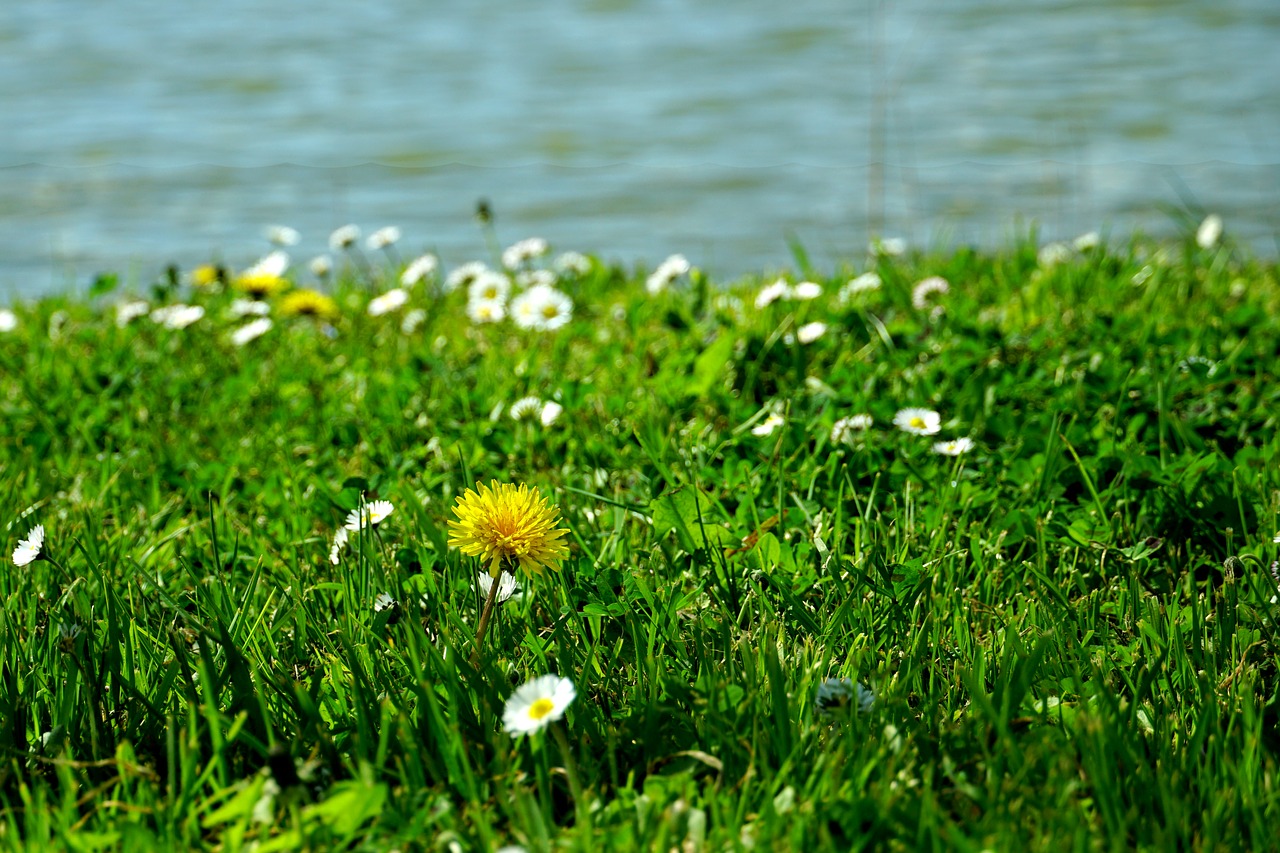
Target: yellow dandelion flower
[
  {"x": 261, "y": 284},
  {"x": 506, "y": 525},
  {"x": 206, "y": 275},
  {"x": 309, "y": 303}
]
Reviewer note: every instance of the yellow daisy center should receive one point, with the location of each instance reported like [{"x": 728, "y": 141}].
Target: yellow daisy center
[
  {"x": 541, "y": 708},
  {"x": 918, "y": 422}
]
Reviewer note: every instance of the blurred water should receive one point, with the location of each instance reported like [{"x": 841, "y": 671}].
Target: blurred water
[{"x": 136, "y": 133}]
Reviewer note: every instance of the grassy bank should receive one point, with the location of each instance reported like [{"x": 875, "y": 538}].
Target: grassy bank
[{"x": 1059, "y": 595}]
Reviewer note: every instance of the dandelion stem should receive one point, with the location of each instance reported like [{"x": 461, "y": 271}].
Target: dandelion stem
[
  {"x": 483, "y": 627},
  {"x": 571, "y": 770}
]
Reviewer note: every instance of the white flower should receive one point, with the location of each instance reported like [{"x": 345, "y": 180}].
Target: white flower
[
  {"x": 490, "y": 285},
  {"x": 525, "y": 408},
  {"x": 772, "y": 293},
  {"x": 806, "y": 290},
  {"x": 535, "y": 278},
  {"x": 954, "y": 447},
  {"x": 1209, "y": 232},
  {"x": 253, "y": 329},
  {"x": 536, "y": 704},
  {"x": 271, "y": 265},
  {"x": 864, "y": 283},
  {"x": 177, "y": 316},
  {"x": 463, "y": 276},
  {"x": 543, "y": 308},
  {"x": 507, "y": 585},
  {"x": 127, "y": 312},
  {"x": 370, "y": 515},
  {"x": 550, "y": 411},
  {"x": 842, "y": 431},
  {"x": 572, "y": 263},
  {"x": 927, "y": 287},
  {"x": 1276, "y": 539},
  {"x": 666, "y": 273},
  {"x": 248, "y": 308},
  {"x": 1052, "y": 254},
  {"x": 412, "y": 320},
  {"x": 889, "y": 246},
  {"x": 339, "y": 545},
  {"x": 1088, "y": 241},
  {"x": 28, "y": 549},
  {"x": 321, "y": 266},
  {"x": 836, "y": 693},
  {"x": 8, "y": 320},
  {"x": 382, "y": 238},
  {"x": 282, "y": 235},
  {"x": 486, "y": 310},
  {"x": 810, "y": 332},
  {"x": 421, "y": 267},
  {"x": 918, "y": 421},
  {"x": 390, "y": 301},
  {"x": 344, "y": 237},
  {"x": 768, "y": 425},
  {"x": 518, "y": 254}
]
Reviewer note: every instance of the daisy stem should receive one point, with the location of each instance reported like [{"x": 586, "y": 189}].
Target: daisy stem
[
  {"x": 483, "y": 627},
  {"x": 571, "y": 770}
]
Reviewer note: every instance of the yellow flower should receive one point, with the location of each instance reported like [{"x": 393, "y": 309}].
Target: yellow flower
[
  {"x": 261, "y": 284},
  {"x": 309, "y": 303},
  {"x": 206, "y": 275},
  {"x": 505, "y": 525}
]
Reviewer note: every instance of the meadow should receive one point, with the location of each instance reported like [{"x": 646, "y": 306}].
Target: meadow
[{"x": 949, "y": 550}]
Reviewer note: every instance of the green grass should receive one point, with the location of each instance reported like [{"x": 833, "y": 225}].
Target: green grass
[{"x": 1061, "y": 655}]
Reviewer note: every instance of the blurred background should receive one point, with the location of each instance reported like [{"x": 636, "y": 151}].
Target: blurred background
[{"x": 137, "y": 133}]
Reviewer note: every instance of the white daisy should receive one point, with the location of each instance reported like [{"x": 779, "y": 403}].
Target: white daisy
[
  {"x": 535, "y": 278},
  {"x": 463, "y": 276},
  {"x": 489, "y": 285},
  {"x": 806, "y": 290},
  {"x": 412, "y": 320},
  {"x": 344, "y": 237},
  {"x": 955, "y": 447},
  {"x": 177, "y": 316},
  {"x": 8, "y": 320},
  {"x": 927, "y": 287},
  {"x": 1088, "y": 241},
  {"x": 127, "y": 312},
  {"x": 887, "y": 246},
  {"x": 843, "y": 430},
  {"x": 321, "y": 266},
  {"x": 339, "y": 545},
  {"x": 1052, "y": 254},
  {"x": 526, "y": 408},
  {"x": 282, "y": 235},
  {"x": 28, "y": 549},
  {"x": 390, "y": 301},
  {"x": 507, "y": 585},
  {"x": 772, "y": 293},
  {"x": 768, "y": 425},
  {"x": 1209, "y": 232},
  {"x": 810, "y": 332},
  {"x": 543, "y": 308},
  {"x": 253, "y": 329},
  {"x": 918, "y": 421},
  {"x": 572, "y": 263},
  {"x": 486, "y": 310},
  {"x": 834, "y": 693},
  {"x": 420, "y": 268},
  {"x": 536, "y": 704},
  {"x": 382, "y": 238},
  {"x": 550, "y": 411},
  {"x": 518, "y": 254},
  {"x": 864, "y": 283},
  {"x": 248, "y": 308},
  {"x": 370, "y": 515},
  {"x": 271, "y": 265},
  {"x": 666, "y": 274}
]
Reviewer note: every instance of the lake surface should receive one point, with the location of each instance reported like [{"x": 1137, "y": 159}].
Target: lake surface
[{"x": 137, "y": 133}]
